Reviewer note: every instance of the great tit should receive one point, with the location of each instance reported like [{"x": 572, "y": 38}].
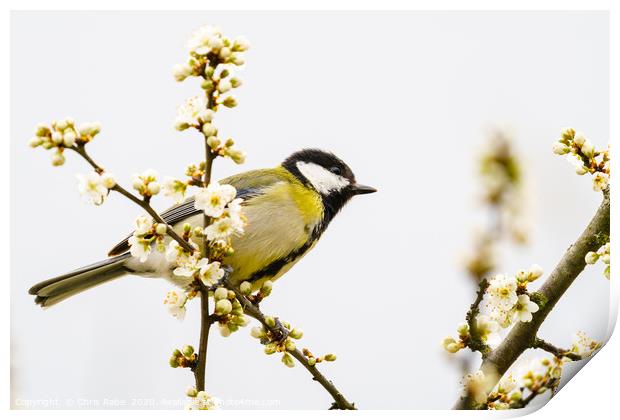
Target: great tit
[{"x": 287, "y": 209}]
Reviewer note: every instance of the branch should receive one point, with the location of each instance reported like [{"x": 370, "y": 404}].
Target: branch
[
  {"x": 81, "y": 150},
  {"x": 475, "y": 342},
  {"x": 252, "y": 310},
  {"x": 539, "y": 343},
  {"x": 523, "y": 335}
]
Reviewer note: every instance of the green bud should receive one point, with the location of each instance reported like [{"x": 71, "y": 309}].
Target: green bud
[
  {"x": 296, "y": 333},
  {"x": 209, "y": 71},
  {"x": 188, "y": 351},
  {"x": 270, "y": 348},
  {"x": 329, "y": 357},
  {"x": 290, "y": 345},
  {"x": 266, "y": 288},
  {"x": 235, "y": 82},
  {"x": 516, "y": 396},
  {"x": 223, "y": 307},
  {"x": 288, "y": 360},
  {"x": 191, "y": 392},
  {"x": 177, "y": 353},
  {"x": 174, "y": 362},
  {"x": 187, "y": 228},
  {"x": 58, "y": 159},
  {"x": 229, "y": 102},
  {"x": 198, "y": 231},
  {"x": 224, "y": 73},
  {"x": 231, "y": 296},
  {"x": 258, "y": 332},
  {"x": 311, "y": 361},
  {"x": 220, "y": 293},
  {"x": 270, "y": 321},
  {"x": 246, "y": 288}
]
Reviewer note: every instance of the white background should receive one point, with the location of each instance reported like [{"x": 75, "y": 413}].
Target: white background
[{"x": 402, "y": 97}]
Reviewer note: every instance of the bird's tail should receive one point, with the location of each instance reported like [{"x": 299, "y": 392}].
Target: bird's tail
[{"x": 52, "y": 291}]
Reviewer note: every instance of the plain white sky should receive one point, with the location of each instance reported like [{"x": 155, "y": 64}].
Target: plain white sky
[{"x": 402, "y": 97}]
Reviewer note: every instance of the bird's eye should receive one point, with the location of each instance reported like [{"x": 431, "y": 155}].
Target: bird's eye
[{"x": 334, "y": 170}]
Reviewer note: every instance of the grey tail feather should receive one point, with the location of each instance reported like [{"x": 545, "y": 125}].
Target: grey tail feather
[{"x": 52, "y": 291}]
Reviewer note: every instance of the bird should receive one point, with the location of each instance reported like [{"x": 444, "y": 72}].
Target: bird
[{"x": 287, "y": 209}]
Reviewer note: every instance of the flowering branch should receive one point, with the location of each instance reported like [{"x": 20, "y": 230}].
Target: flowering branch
[
  {"x": 523, "y": 335},
  {"x": 80, "y": 149},
  {"x": 280, "y": 333}
]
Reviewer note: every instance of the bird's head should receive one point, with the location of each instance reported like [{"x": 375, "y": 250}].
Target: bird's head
[{"x": 328, "y": 175}]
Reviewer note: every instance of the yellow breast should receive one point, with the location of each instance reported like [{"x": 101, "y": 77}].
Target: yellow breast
[{"x": 280, "y": 222}]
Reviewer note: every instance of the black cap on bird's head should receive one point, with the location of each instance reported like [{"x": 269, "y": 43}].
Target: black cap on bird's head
[{"x": 328, "y": 175}]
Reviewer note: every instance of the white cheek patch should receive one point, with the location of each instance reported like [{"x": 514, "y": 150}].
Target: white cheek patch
[{"x": 321, "y": 179}]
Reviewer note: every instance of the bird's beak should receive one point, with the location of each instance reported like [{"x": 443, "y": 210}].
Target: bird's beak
[{"x": 363, "y": 189}]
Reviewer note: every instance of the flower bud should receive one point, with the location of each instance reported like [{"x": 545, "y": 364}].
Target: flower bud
[
  {"x": 579, "y": 139},
  {"x": 235, "y": 82},
  {"x": 568, "y": 133},
  {"x": 516, "y": 396},
  {"x": 560, "y": 148},
  {"x": 463, "y": 329},
  {"x": 174, "y": 362},
  {"x": 207, "y": 85},
  {"x": 177, "y": 353},
  {"x": 311, "y": 361},
  {"x": 266, "y": 288},
  {"x": 231, "y": 296},
  {"x": 329, "y": 357},
  {"x": 270, "y": 348},
  {"x": 607, "y": 273},
  {"x": 246, "y": 287},
  {"x": 223, "y": 307},
  {"x": 288, "y": 360},
  {"x": 220, "y": 293},
  {"x": 591, "y": 257},
  {"x": 270, "y": 321},
  {"x": 240, "y": 44},
  {"x": 198, "y": 231},
  {"x": 290, "y": 345},
  {"x": 588, "y": 149},
  {"x": 35, "y": 142},
  {"x": 296, "y": 333},
  {"x": 209, "y": 71},
  {"x": 180, "y": 72},
  {"x": 42, "y": 130},
  {"x": 57, "y": 137},
  {"x": 69, "y": 138},
  {"x": 191, "y": 392},
  {"x": 229, "y": 102},
  {"x": 58, "y": 159},
  {"x": 161, "y": 228},
  {"x": 536, "y": 272},
  {"x": 224, "y": 53},
  {"x": 225, "y": 330},
  {"x": 258, "y": 332},
  {"x": 209, "y": 129},
  {"x": 581, "y": 170},
  {"x": 605, "y": 258},
  {"x": 224, "y": 86},
  {"x": 188, "y": 351},
  {"x": 154, "y": 188}
]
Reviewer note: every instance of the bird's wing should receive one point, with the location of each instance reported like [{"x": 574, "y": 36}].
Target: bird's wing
[{"x": 248, "y": 184}]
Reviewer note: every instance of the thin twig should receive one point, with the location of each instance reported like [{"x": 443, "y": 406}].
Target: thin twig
[
  {"x": 81, "y": 150},
  {"x": 475, "y": 341},
  {"x": 252, "y": 310},
  {"x": 523, "y": 334},
  {"x": 539, "y": 343}
]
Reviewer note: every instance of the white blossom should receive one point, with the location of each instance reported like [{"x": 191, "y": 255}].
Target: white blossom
[
  {"x": 143, "y": 225},
  {"x": 502, "y": 291},
  {"x": 203, "y": 401},
  {"x": 139, "y": 247},
  {"x": 600, "y": 181},
  {"x": 475, "y": 386},
  {"x": 175, "y": 303},
  {"x": 213, "y": 199},
  {"x": 487, "y": 329},
  {"x": 193, "y": 113},
  {"x": 524, "y": 308},
  {"x": 175, "y": 189},
  {"x": 205, "y": 39},
  {"x": 211, "y": 273},
  {"x": 584, "y": 345},
  {"x": 94, "y": 187}
]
